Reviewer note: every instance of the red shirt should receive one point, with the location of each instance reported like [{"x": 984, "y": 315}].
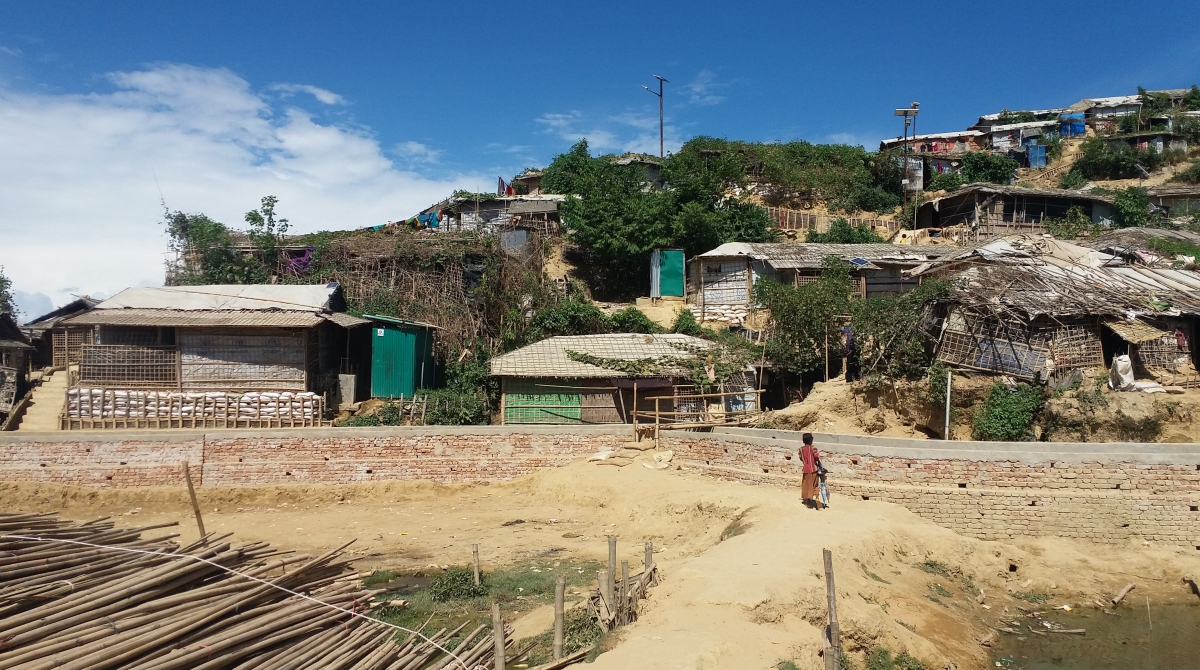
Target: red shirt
[{"x": 809, "y": 455}]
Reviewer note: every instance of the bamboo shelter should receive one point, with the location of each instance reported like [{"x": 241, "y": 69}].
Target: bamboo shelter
[{"x": 90, "y": 596}]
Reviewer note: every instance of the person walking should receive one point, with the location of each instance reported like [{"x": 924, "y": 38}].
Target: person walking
[{"x": 810, "y": 482}]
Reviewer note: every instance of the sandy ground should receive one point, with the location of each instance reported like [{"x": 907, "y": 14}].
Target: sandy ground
[{"x": 746, "y": 602}]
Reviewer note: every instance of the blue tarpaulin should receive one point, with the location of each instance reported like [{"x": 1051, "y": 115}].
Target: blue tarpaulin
[{"x": 1072, "y": 125}]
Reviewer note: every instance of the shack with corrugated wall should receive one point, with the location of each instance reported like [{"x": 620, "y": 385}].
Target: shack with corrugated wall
[{"x": 402, "y": 359}]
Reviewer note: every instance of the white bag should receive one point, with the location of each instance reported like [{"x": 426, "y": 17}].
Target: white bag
[{"x": 1120, "y": 375}]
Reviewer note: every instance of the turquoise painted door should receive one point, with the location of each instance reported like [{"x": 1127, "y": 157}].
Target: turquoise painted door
[
  {"x": 392, "y": 362},
  {"x": 670, "y": 276}
]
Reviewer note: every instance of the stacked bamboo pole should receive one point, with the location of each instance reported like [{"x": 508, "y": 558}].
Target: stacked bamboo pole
[
  {"x": 615, "y": 601},
  {"x": 78, "y": 596}
]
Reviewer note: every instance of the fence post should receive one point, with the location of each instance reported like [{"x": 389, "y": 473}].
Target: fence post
[
  {"x": 612, "y": 567},
  {"x": 560, "y": 588},
  {"x": 475, "y": 561},
  {"x": 498, "y": 635},
  {"x": 187, "y": 476},
  {"x": 833, "y": 646}
]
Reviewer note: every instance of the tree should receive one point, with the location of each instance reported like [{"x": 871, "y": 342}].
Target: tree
[
  {"x": 206, "y": 253},
  {"x": 802, "y": 315},
  {"x": 7, "y": 300},
  {"x": 981, "y": 166},
  {"x": 1131, "y": 207},
  {"x": 265, "y": 232},
  {"x": 841, "y": 232}
]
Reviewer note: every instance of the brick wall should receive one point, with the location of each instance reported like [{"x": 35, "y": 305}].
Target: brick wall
[
  {"x": 1095, "y": 492},
  {"x": 324, "y": 456}
]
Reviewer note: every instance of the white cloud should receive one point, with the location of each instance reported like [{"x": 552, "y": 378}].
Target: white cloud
[
  {"x": 628, "y": 131},
  {"x": 417, "y": 152},
  {"x": 80, "y": 175},
  {"x": 10, "y": 51},
  {"x": 322, "y": 95},
  {"x": 566, "y": 126},
  {"x": 702, "y": 89}
]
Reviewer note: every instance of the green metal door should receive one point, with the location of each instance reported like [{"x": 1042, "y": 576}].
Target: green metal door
[
  {"x": 670, "y": 277},
  {"x": 392, "y": 356}
]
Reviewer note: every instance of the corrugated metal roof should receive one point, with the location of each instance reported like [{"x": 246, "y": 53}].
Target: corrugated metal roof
[
  {"x": 295, "y": 297},
  {"x": 805, "y": 255},
  {"x": 216, "y": 318},
  {"x": 1020, "y": 126},
  {"x": 549, "y": 358},
  {"x": 402, "y": 322},
  {"x": 345, "y": 320}
]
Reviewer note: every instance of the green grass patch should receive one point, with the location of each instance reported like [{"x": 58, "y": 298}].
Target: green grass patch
[
  {"x": 939, "y": 568},
  {"x": 907, "y": 625},
  {"x": 786, "y": 665},
  {"x": 379, "y": 577},
  {"x": 872, "y": 575},
  {"x": 1032, "y": 597},
  {"x": 880, "y": 658},
  {"x": 579, "y": 632},
  {"x": 517, "y": 588},
  {"x": 939, "y": 590}
]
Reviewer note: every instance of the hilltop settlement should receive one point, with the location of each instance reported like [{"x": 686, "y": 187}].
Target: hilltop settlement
[{"x": 1047, "y": 255}]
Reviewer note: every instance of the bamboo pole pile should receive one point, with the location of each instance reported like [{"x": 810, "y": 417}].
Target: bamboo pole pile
[{"x": 87, "y": 596}]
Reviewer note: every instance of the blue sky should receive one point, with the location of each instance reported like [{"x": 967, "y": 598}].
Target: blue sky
[{"x": 358, "y": 113}]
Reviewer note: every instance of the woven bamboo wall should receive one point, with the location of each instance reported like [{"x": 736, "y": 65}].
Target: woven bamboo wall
[{"x": 243, "y": 360}]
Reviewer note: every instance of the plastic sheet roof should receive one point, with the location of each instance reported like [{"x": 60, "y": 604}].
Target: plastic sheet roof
[
  {"x": 549, "y": 357},
  {"x": 810, "y": 256},
  {"x": 226, "y": 297},
  {"x": 199, "y": 318}
]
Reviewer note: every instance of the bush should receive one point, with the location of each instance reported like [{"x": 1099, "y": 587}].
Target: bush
[
  {"x": 633, "y": 320},
  {"x": 449, "y": 407},
  {"x": 457, "y": 583},
  {"x": 983, "y": 166},
  {"x": 1072, "y": 180},
  {"x": 1075, "y": 223},
  {"x": 879, "y": 658},
  {"x": 841, "y": 232},
  {"x": 1100, "y": 160},
  {"x": 686, "y": 324},
  {"x": 1131, "y": 207},
  {"x": 1008, "y": 415},
  {"x": 359, "y": 422},
  {"x": 570, "y": 317},
  {"x": 1189, "y": 176},
  {"x": 945, "y": 181}
]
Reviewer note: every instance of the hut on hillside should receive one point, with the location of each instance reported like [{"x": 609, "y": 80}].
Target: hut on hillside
[
  {"x": 1032, "y": 307},
  {"x": 213, "y": 356},
  {"x": 983, "y": 211},
  {"x": 592, "y": 379},
  {"x": 721, "y": 281}
]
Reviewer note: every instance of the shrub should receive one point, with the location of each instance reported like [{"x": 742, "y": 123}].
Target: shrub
[
  {"x": 879, "y": 658},
  {"x": 1071, "y": 226},
  {"x": 633, "y": 320},
  {"x": 450, "y": 407},
  {"x": 570, "y": 317},
  {"x": 457, "y": 583},
  {"x": 1131, "y": 207},
  {"x": 1189, "y": 176},
  {"x": 1072, "y": 180},
  {"x": 359, "y": 422},
  {"x": 945, "y": 181},
  {"x": 984, "y": 166},
  {"x": 1008, "y": 415},
  {"x": 686, "y": 324},
  {"x": 1101, "y": 160},
  {"x": 841, "y": 232}
]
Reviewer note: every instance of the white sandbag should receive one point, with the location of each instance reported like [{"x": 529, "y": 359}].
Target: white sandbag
[{"x": 1120, "y": 375}]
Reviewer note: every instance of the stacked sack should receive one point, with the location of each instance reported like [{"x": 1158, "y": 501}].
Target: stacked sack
[{"x": 91, "y": 403}]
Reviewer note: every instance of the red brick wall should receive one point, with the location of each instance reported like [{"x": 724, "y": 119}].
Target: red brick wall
[
  {"x": 334, "y": 456},
  {"x": 988, "y": 499}
]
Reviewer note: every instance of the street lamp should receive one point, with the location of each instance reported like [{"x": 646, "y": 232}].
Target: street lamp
[
  {"x": 661, "y": 81},
  {"x": 910, "y": 117}
]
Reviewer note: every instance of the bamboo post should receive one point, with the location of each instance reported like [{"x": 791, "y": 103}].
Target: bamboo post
[
  {"x": 833, "y": 645},
  {"x": 187, "y": 477},
  {"x": 560, "y": 588},
  {"x": 606, "y": 594},
  {"x": 612, "y": 567},
  {"x": 826, "y": 352},
  {"x": 656, "y": 422},
  {"x": 498, "y": 635},
  {"x": 649, "y": 555},
  {"x": 635, "y": 430},
  {"x": 946, "y": 433},
  {"x": 475, "y": 562},
  {"x": 624, "y": 582}
]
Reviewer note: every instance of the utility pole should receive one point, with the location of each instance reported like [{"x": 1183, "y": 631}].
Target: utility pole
[
  {"x": 910, "y": 118},
  {"x": 661, "y": 81}
]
